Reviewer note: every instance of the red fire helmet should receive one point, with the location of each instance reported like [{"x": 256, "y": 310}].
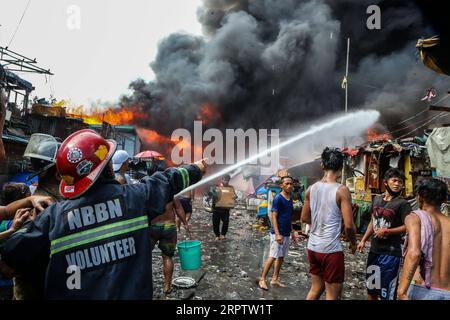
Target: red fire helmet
[{"x": 80, "y": 160}]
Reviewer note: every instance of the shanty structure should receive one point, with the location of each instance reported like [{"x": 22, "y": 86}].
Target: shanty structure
[
  {"x": 414, "y": 156},
  {"x": 372, "y": 160},
  {"x": 49, "y": 118},
  {"x": 17, "y": 127},
  {"x": 12, "y": 63},
  {"x": 435, "y": 53}
]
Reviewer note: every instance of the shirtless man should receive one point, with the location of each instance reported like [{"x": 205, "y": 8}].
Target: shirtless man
[
  {"x": 186, "y": 203},
  {"x": 163, "y": 230},
  {"x": 427, "y": 250}
]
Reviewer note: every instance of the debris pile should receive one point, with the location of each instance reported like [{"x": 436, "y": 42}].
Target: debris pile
[{"x": 231, "y": 267}]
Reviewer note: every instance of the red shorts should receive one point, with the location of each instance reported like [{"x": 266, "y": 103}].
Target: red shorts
[{"x": 329, "y": 266}]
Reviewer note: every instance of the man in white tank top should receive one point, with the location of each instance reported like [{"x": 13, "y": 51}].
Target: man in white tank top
[{"x": 327, "y": 203}]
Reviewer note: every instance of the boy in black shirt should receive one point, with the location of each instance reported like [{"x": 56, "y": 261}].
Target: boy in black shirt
[{"x": 387, "y": 227}]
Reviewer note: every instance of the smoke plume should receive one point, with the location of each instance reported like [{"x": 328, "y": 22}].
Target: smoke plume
[{"x": 275, "y": 64}]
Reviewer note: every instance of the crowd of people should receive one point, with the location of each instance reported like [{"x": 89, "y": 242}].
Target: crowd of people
[
  {"x": 87, "y": 231},
  {"x": 96, "y": 214},
  {"x": 419, "y": 270}
]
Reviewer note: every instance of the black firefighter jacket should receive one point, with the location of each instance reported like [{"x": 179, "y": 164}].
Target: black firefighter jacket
[{"x": 97, "y": 246}]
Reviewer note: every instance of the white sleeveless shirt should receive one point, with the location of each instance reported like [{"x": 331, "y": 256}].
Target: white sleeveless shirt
[{"x": 326, "y": 218}]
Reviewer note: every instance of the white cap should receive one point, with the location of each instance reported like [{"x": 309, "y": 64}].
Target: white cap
[{"x": 119, "y": 157}]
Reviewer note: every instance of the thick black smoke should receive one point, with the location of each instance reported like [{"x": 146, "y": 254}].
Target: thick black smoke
[{"x": 272, "y": 63}]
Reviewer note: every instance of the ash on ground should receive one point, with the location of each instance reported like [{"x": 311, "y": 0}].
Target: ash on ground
[{"x": 231, "y": 267}]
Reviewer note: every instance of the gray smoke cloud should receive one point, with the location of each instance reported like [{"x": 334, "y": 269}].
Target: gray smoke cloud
[{"x": 270, "y": 64}]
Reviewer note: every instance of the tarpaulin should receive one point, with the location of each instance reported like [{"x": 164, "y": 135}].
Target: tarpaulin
[
  {"x": 434, "y": 53},
  {"x": 438, "y": 145}
]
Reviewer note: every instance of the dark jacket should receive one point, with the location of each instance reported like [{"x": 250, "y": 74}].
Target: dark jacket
[{"x": 100, "y": 239}]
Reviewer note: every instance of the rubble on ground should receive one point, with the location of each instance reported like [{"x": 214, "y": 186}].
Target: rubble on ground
[{"x": 231, "y": 267}]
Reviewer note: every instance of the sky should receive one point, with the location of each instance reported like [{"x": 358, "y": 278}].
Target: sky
[{"x": 94, "y": 48}]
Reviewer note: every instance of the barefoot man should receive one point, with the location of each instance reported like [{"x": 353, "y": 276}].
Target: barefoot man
[
  {"x": 164, "y": 232},
  {"x": 327, "y": 203},
  {"x": 280, "y": 232}
]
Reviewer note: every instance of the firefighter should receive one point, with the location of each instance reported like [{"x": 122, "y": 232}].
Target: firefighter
[
  {"x": 98, "y": 238},
  {"x": 41, "y": 151}
]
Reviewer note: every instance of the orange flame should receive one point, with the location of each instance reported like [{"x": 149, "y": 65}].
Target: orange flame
[
  {"x": 114, "y": 116},
  {"x": 165, "y": 144},
  {"x": 152, "y": 137},
  {"x": 373, "y": 135},
  {"x": 208, "y": 113}
]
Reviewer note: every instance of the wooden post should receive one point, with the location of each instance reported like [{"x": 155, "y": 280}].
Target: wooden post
[
  {"x": 346, "y": 103},
  {"x": 440, "y": 108}
]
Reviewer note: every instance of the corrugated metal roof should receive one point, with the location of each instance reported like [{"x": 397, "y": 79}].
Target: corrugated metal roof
[{"x": 13, "y": 78}]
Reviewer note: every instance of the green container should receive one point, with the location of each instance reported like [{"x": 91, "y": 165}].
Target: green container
[{"x": 190, "y": 254}]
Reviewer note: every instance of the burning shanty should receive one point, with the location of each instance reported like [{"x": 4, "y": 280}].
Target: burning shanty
[{"x": 286, "y": 151}]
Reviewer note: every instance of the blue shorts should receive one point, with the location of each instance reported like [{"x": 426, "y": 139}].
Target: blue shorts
[
  {"x": 186, "y": 204},
  {"x": 382, "y": 275},
  {"x": 417, "y": 292}
]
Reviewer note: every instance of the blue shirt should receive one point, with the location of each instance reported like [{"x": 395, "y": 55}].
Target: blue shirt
[{"x": 284, "y": 209}]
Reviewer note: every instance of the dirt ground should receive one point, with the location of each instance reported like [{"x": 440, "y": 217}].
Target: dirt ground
[{"x": 231, "y": 267}]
